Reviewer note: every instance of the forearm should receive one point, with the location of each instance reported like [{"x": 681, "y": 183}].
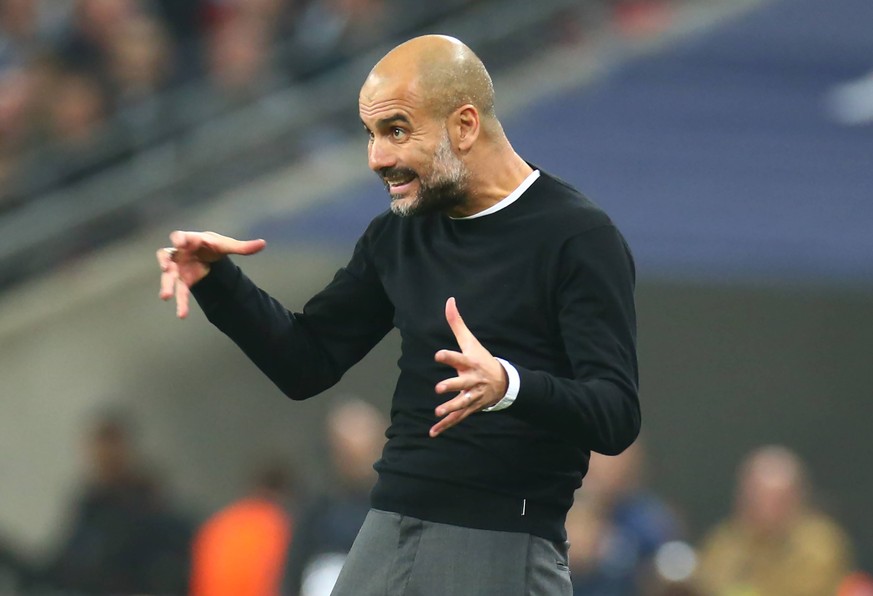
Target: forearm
[
  {"x": 599, "y": 414},
  {"x": 593, "y": 402},
  {"x": 302, "y": 354}
]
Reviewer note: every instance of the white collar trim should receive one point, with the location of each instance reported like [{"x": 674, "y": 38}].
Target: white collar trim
[{"x": 509, "y": 200}]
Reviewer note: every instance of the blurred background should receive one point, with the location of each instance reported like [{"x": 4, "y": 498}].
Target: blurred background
[{"x": 731, "y": 141}]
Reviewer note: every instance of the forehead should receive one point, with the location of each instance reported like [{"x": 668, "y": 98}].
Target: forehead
[{"x": 383, "y": 95}]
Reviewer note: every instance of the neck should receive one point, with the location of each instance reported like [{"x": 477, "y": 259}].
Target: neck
[{"x": 492, "y": 180}]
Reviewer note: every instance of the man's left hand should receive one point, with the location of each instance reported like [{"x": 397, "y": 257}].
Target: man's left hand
[{"x": 481, "y": 380}]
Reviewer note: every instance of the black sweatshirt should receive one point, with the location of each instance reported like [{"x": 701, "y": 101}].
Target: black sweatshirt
[{"x": 545, "y": 283}]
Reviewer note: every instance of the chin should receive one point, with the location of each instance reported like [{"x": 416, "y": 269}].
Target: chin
[{"x": 404, "y": 206}]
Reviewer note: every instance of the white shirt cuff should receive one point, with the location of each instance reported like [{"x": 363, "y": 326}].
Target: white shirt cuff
[{"x": 512, "y": 387}]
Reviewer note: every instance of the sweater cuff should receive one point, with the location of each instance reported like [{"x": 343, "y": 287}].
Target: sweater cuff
[
  {"x": 532, "y": 387},
  {"x": 217, "y": 285},
  {"x": 512, "y": 387}
]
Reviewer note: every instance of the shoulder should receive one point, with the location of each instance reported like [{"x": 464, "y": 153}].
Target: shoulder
[
  {"x": 818, "y": 528},
  {"x": 562, "y": 208}
]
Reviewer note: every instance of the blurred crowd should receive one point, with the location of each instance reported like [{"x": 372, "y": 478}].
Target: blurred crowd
[
  {"x": 85, "y": 84},
  {"x": 282, "y": 537}
]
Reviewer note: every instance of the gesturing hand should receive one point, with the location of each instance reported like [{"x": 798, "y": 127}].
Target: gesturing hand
[
  {"x": 187, "y": 261},
  {"x": 481, "y": 380}
]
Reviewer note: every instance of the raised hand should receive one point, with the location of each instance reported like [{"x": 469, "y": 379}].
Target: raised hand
[
  {"x": 481, "y": 380},
  {"x": 188, "y": 260}
]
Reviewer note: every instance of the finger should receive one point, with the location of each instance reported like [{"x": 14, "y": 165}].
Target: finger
[
  {"x": 168, "y": 274},
  {"x": 468, "y": 398},
  {"x": 462, "y": 334},
  {"x": 182, "y": 296},
  {"x": 457, "y": 384},
  {"x": 194, "y": 241},
  {"x": 448, "y": 422},
  {"x": 186, "y": 241},
  {"x": 163, "y": 258},
  {"x": 243, "y": 247},
  {"x": 456, "y": 360},
  {"x": 168, "y": 283}
]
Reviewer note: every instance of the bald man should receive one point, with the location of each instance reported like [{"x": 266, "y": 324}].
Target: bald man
[{"x": 495, "y": 414}]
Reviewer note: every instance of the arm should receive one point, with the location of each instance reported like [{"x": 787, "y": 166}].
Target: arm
[
  {"x": 598, "y": 407},
  {"x": 302, "y": 353}
]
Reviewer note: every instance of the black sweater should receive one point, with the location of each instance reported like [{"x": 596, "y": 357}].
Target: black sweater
[{"x": 545, "y": 283}]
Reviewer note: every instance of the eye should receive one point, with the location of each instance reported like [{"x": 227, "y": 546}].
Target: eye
[{"x": 398, "y": 133}]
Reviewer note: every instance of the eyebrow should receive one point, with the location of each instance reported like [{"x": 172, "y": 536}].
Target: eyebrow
[{"x": 389, "y": 120}]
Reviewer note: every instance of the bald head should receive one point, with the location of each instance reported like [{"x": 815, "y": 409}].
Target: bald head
[
  {"x": 443, "y": 72},
  {"x": 772, "y": 487}
]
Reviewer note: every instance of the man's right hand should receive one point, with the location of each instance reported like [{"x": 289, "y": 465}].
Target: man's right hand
[{"x": 188, "y": 260}]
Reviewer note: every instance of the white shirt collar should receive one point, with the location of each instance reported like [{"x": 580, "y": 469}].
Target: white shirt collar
[{"x": 509, "y": 200}]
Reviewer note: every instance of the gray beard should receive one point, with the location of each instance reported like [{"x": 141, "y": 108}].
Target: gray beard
[{"x": 445, "y": 189}]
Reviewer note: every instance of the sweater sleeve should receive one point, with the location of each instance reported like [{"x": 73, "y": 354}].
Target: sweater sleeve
[
  {"x": 598, "y": 407},
  {"x": 302, "y": 353}
]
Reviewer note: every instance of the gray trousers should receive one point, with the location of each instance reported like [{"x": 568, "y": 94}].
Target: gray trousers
[{"x": 396, "y": 555}]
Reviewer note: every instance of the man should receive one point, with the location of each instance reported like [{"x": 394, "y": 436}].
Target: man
[
  {"x": 481, "y": 462},
  {"x": 123, "y": 537},
  {"x": 241, "y": 550},
  {"x": 776, "y": 542},
  {"x": 330, "y": 519}
]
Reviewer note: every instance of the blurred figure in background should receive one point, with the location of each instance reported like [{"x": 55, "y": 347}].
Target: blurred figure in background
[
  {"x": 856, "y": 584},
  {"x": 616, "y": 527},
  {"x": 124, "y": 539},
  {"x": 242, "y": 549},
  {"x": 15, "y": 572},
  {"x": 330, "y": 31},
  {"x": 775, "y": 542},
  {"x": 330, "y": 522},
  {"x": 140, "y": 66}
]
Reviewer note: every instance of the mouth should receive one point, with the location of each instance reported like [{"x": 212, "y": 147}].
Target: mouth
[{"x": 399, "y": 183}]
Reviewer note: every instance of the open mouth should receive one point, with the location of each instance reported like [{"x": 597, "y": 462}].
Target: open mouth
[
  {"x": 394, "y": 182},
  {"x": 399, "y": 184}
]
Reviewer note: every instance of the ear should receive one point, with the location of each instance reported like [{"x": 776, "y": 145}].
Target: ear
[{"x": 464, "y": 127}]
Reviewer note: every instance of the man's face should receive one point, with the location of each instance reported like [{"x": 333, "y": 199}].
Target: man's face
[
  {"x": 411, "y": 153},
  {"x": 439, "y": 188}
]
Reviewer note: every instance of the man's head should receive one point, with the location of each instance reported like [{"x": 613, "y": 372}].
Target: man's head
[
  {"x": 110, "y": 449},
  {"x": 356, "y": 433},
  {"x": 771, "y": 489},
  {"x": 425, "y": 105}
]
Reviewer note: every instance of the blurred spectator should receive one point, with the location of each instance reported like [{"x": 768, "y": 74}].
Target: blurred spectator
[
  {"x": 330, "y": 31},
  {"x": 328, "y": 525},
  {"x": 242, "y": 550},
  {"x": 775, "y": 542},
  {"x": 123, "y": 539},
  {"x": 616, "y": 527},
  {"x": 642, "y": 18},
  {"x": 240, "y": 57},
  {"x": 140, "y": 65},
  {"x": 856, "y": 584},
  {"x": 15, "y": 573},
  {"x": 15, "y": 94}
]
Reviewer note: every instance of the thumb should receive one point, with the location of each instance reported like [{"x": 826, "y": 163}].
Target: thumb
[
  {"x": 462, "y": 334},
  {"x": 249, "y": 247},
  {"x": 226, "y": 245}
]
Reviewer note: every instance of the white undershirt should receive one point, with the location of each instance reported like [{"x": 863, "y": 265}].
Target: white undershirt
[
  {"x": 513, "y": 381},
  {"x": 509, "y": 200}
]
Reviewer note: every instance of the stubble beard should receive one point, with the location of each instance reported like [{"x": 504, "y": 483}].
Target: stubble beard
[{"x": 444, "y": 189}]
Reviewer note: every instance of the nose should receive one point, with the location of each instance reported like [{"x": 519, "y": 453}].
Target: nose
[{"x": 380, "y": 155}]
